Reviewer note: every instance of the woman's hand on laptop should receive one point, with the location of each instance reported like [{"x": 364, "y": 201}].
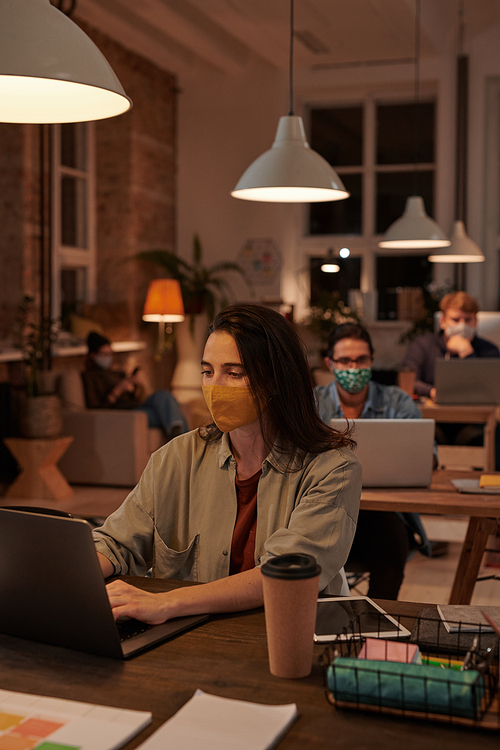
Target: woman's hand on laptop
[{"x": 129, "y": 601}]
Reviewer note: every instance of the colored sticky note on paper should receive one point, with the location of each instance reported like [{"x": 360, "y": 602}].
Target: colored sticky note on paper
[
  {"x": 9, "y": 720},
  {"x": 37, "y": 728},
  {"x": 13, "y": 742}
]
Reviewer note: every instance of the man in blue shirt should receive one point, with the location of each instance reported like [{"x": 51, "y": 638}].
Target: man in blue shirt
[{"x": 383, "y": 540}]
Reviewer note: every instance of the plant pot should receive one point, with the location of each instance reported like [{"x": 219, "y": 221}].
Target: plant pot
[{"x": 40, "y": 416}]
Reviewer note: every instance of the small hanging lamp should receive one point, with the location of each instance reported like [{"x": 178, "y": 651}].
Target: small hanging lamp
[
  {"x": 329, "y": 265},
  {"x": 461, "y": 250},
  {"x": 50, "y": 70},
  {"x": 290, "y": 172},
  {"x": 415, "y": 229}
]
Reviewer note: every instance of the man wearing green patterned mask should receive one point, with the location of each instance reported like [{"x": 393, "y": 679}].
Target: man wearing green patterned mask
[{"x": 383, "y": 540}]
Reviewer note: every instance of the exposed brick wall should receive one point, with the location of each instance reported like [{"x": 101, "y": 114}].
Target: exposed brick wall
[
  {"x": 135, "y": 194},
  {"x": 135, "y": 156}
]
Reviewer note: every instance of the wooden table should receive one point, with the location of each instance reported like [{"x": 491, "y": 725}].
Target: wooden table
[
  {"x": 441, "y": 498},
  {"x": 40, "y": 479},
  {"x": 226, "y": 656},
  {"x": 476, "y": 414}
]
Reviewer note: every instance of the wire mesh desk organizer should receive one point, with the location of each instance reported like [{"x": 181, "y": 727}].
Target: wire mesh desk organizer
[{"x": 434, "y": 675}]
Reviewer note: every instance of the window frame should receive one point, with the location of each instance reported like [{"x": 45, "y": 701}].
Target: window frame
[
  {"x": 365, "y": 244},
  {"x": 66, "y": 256}
]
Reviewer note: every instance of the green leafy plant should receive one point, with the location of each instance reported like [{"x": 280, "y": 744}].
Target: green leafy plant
[
  {"x": 328, "y": 312},
  {"x": 202, "y": 287},
  {"x": 35, "y": 339}
]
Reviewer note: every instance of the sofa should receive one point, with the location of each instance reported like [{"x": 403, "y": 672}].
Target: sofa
[{"x": 110, "y": 446}]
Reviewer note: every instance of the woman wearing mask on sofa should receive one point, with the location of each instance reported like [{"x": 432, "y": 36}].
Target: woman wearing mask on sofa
[{"x": 267, "y": 477}]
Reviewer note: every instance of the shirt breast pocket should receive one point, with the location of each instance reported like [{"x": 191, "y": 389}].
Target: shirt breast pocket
[{"x": 170, "y": 563}]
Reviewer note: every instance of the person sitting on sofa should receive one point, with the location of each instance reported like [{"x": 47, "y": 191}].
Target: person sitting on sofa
[{"x": 106, "y": 388}]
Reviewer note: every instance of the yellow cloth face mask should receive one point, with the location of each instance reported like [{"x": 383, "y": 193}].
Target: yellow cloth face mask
[{"x": 230, "y": 406}]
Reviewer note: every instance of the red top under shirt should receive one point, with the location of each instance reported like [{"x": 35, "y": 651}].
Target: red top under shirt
[{"x": 243, "y": 544}]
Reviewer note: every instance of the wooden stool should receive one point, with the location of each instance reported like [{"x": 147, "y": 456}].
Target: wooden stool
[{"x": 39, "y": 478}]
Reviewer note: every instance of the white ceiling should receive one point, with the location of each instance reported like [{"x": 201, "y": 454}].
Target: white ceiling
[{"x": 179, "y": 35}]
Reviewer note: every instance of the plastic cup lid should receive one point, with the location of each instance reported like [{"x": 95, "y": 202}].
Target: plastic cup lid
[{"x": 291, "y": 567}]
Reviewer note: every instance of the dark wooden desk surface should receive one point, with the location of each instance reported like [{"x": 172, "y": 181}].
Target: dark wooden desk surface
[
  {"x": 441, "y": 498},
  {"x": 226, "y": 656}
]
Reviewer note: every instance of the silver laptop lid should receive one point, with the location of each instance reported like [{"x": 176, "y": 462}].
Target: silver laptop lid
[
  {"x": 393, "y": 452},
  {"x": 474, "y": 380}
]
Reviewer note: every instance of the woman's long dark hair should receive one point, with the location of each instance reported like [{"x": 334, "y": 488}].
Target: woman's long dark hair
[{"x": 275, "y": 362}]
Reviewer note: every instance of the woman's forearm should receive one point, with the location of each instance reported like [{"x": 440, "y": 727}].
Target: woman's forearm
[{"x": 233, "y": 594}]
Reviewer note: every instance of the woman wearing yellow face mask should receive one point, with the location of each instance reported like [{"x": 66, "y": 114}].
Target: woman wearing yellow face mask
[{"x": 266, "y": 477}]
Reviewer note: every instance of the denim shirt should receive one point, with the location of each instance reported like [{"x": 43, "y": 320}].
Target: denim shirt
[{"x": 383, "y": 402}]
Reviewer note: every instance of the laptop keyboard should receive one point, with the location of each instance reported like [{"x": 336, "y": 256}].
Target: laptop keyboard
[{"x": 130, "y": 628}]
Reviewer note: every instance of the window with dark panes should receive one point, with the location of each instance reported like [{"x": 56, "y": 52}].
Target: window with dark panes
[
  {"x": 337, "y": 134},
  {"x": 403, "y": 163},
  {"x": 404, "y": 159},
  {"x": 400, "y": 281},
  {"x": 349, "y": 277},
  {"x": 384, "y": 153}
]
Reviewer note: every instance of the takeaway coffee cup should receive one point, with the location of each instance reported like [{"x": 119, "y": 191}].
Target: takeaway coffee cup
[{"x": 290, "y": 585}]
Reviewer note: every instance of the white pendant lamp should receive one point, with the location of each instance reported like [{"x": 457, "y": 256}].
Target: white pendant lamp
[
  {"x": 50, "y": 70},
  {"x": 415, "y": 229},
  {"x": 290, "y": 172},
  {"x": 461, "y": 250}
]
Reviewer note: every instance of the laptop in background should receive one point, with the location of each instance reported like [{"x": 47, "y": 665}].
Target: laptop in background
[
  {"x": 52, "y": 589},
  {"x": 468, "y": 381},
  {"x": 393, "y": 452}
]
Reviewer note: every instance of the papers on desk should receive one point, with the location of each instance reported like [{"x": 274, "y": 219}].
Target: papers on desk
[
  {"x": 467, "y": 617},
  {"x": 213, "y": 723},
  {"x": 471, "y": 486},
  {"x": 35, "y": 721}
]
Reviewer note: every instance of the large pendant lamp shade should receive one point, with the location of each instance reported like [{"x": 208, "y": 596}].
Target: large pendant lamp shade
[
  {"x": 415, "y": 229},
  {"x": 50, "y": 71},
  {"x": 461, "y": 250},
  {"x": 290, "y": 172}
]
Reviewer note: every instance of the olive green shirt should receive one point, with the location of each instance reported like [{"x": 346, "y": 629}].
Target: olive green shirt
[{"x": 179, "y": 519}]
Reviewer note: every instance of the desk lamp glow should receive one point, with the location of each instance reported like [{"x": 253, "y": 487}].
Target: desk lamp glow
[
  {"x": 163, "y": 305},
  {"x": 50, "y": 70}
]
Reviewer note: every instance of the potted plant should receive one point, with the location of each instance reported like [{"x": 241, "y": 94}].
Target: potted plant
[
  {"x": 328, "y": 312},
  {"x": 203, "y": 289},
  {"x": 204, "y": 292},
  {"x": 40, "y": 413}
]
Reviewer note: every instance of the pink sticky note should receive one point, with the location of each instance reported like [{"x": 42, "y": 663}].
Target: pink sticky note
[{"x": 377, "y": 649}]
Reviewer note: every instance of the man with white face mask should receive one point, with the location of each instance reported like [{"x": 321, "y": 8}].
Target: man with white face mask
[{"x": 456, "y": 338}]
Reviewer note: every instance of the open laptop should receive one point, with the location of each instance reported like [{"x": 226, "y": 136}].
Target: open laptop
[
  {"x": 474, "y": 380},
  {"x": 52, "y": 589},
  {"x": 393, "y": 452}
]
